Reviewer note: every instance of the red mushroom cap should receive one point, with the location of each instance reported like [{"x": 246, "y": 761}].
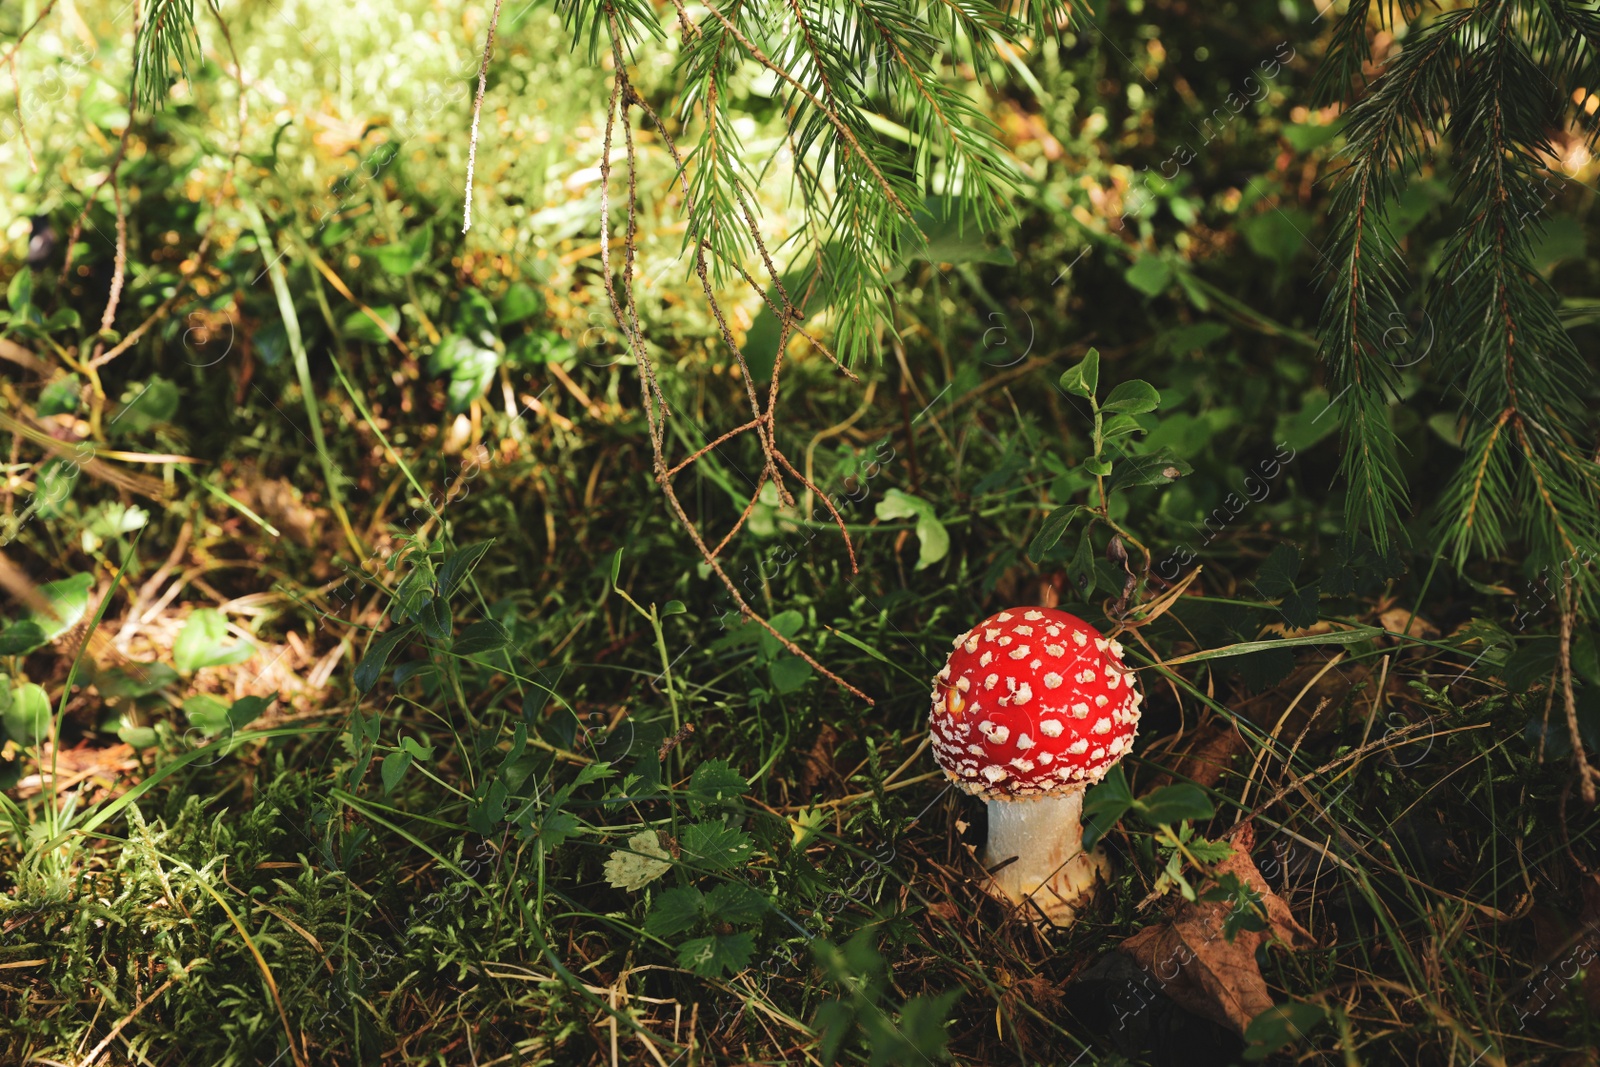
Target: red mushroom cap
[{"x": 1032, "y": 701}]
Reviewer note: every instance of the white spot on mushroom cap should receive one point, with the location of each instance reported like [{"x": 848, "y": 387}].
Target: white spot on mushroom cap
[
  {"x": 1085, "y": 676},
  {"x": 1051, "y": 727},
  {"x": 1116, "y": 648},
  {"x": 985, "y": 659},
  {"x": 1024, "y": 693},
  {"x": 1024, "y": 742},
  {"x": 1103, "y": 726},
  {"x": 1056, "y": 650},
  {"x": 963, "y": 683},
  {"x": 1033, "y": 616},
  {"x": 1036, "y": 664},
  {"x": 991, "y": 681},
  {"x": 995, "y": 733},
  {"x": 1052, "y": 680},
  {"x": 1080, "y": 711},
  {"x": 971, "y": 645},
  {"x": 1100, "y": 644},
  {"x": 1020, "y": 652},
  {"x": 1099, "y": 701},
  {"x": 1078, "y": 747},
  {"x": 1045, "y": 758},
  {"x": 1053, "y": 630},
  {"x": 990, "y": 633},
  {"x": 1004, "y": 641},
  {"x": 1098, "y": 753},
  {"x": 1079, "y": 639},
  {"x": 1025, "y": 631},
  {"x": 1004, "y": 616},
  {"x": 976, "y": 750},
  {"x": 995, "y": 774},
  {"x": 1023, "y": 765}
]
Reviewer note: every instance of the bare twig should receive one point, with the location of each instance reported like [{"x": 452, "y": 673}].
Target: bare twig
[
  {"x": 477, "y": 110},
  {"x": 1586, "y": 773},
  {"x": 624, "y": 309}
]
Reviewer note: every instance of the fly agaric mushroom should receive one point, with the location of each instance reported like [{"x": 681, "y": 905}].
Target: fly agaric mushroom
[{"x": 1031, "y": 709}]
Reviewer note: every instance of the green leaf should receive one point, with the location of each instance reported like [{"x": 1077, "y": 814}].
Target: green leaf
[
  {"x": 674, "y": 911},
  {"x": 715, "y": 785},
  {"x": 642, "y": 862},
  {"x": 358, "y": 325},
  {"x": 416, "y": 748},
  {"x": 27, "y": 715},
  {"x": 1301, "y": 607},
  {"x": 1277, "y": 234},
  {"x": 393, "y": 769},
  {"x": 370, "y": 669},
  {"x": 480, "y": 637},
  {"x": 1097, "y": 466},
  {"x": 1280, "y": 1026},
  {"x": 56, "y": 481},
  {"x": 1120, "y": 426},
  {"x": 789, "y": 674},
  {"x": 19, "y": 637},
  {"x": 1081, "y": 569},
  {"x": 673, "y": 607},
  {"x": 1303, "y": 138},
  {"x": 592, "y": 772},
  {"x": 1104, "y": 805},
  {"x": 69, "y": 600},
  {"x": 711, "y": 956},
  {"x": 1132, "y": 398},
  {"x": 522, "y": 301},
  {"x": 135, "y": 680},
  {"x": 19, "y": 294},
  {"x": 715, "y": 846},
  {"x": 787, "y": 623},
  {"x": 1083, "y": 379},
  {"x": 206, "y": 713},
  {"x": 247, "y": 710},
  {"x": 557, "y": 828},
  {"x": 485, "y": 815},
  {"x": 1156, "y": 469},
  {"x": 147, "y": 404},
  {"x": 951, "y": 236},
  {"x": 459, "y": 564},
  {"x": 1054, "y": 528},
  {"x": 60, "y": 397},
  {"x": 1280, "y": 570},
  {"x": 403, "y": 257},
  {"x": 1171, "y": 804},
  {"x": 1150, "y": 275},
  {"x": 735, "y": 902},
  {"x": 932, "y": 537},
  {"x": 469, "y": 365},
  {"x": 202, "y": 643},
  {"x": 616, "y": 566}
]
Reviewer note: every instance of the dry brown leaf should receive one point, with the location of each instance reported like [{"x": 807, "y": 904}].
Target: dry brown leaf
[
  {"x": 282, "y": 506},
  {"x": 1201, "y": 969},
  {"x": 1209, "y": 753},
  {"x": 1400, "y": 620}
]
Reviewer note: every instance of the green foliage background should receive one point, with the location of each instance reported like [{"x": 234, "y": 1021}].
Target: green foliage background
[{"x": 359, "y": 603}]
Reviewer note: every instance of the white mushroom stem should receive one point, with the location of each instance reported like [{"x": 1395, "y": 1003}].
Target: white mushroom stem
[{"x": 1046, "y": 837}]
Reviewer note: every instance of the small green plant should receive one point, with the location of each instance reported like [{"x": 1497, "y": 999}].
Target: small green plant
[{"x": 1116, "y": 465}]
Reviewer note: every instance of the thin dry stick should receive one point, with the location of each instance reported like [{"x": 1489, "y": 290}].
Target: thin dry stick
[
  {"x": 477, "y": 109},
  {"x": 105, "y": 1042},
  {"x": 119, "y": 272},
  {"x": 625, "y": 312},
  {"x": 1586, "y": 773},
  {"x": 22, "y": 122}
]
